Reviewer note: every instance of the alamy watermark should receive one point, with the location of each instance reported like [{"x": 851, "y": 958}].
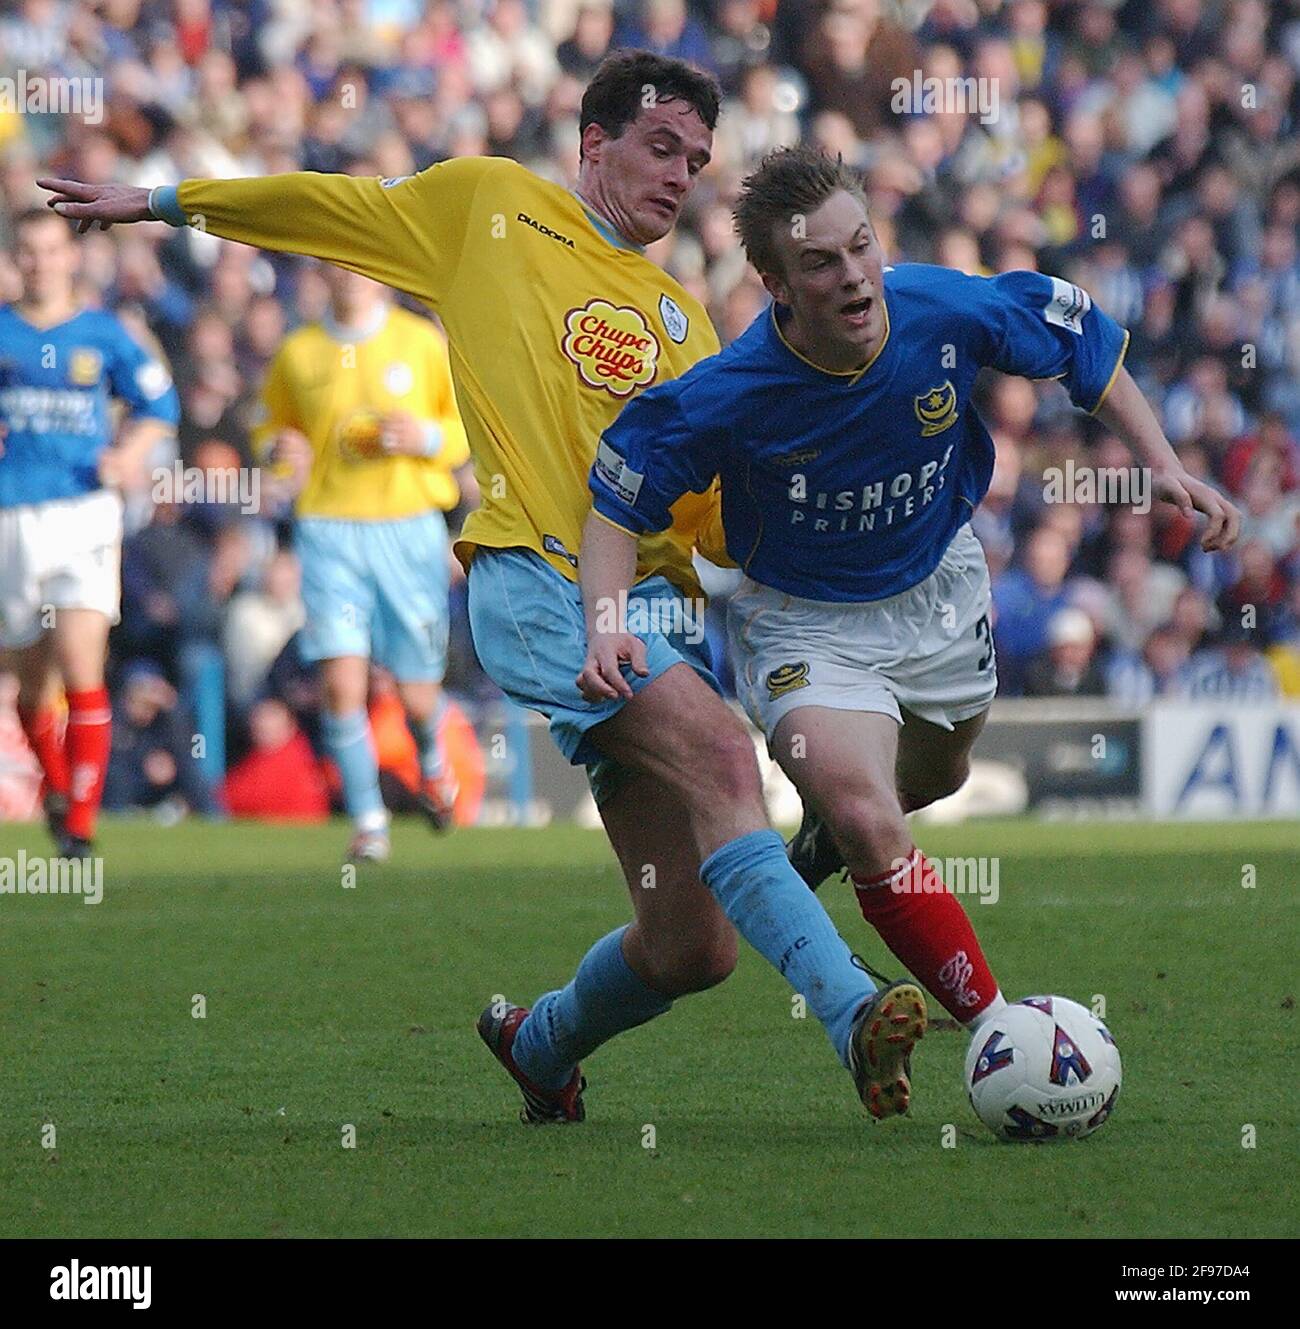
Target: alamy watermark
[
  {"x": 917, "y": 875},
  {"x": 919, "y": 95},
  {"x": 674, "y": 616},
  {"x": 53, "y": 876},
  {"x": 75, "y": 1281},
  {"x": 1120, "y": 486},
  {"x": 44, "y": 94},
  {"x": 231, "y": 485}
]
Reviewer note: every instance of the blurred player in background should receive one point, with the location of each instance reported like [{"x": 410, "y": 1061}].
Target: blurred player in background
[
  {"x": 61, "y": 459},
  {"x": 555, "y": 318},
  {"x": 851, "y": 461},
  {"x": 359, "y": 410}
]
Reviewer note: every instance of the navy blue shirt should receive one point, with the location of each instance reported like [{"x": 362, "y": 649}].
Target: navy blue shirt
[{"x": 850, "y": 487}]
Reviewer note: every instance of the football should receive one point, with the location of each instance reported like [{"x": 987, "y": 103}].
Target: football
[{"x": 1043, "y": 1069}]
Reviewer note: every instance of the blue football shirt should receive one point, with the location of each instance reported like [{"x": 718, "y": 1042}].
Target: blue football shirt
[
  {"x": 55, "y": 387},
  {"x": 850, "y": 487}
]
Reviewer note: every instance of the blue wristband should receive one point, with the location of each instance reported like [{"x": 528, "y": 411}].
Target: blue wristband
[{"x": 164, "y": 203}]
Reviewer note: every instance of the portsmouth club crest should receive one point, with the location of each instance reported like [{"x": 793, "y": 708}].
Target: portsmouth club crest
[
  {"x": 84, "y": 366},
  {"x": 936, "y": 409},
  {"x": 787, "y": 678},
  {"x": 676, "y": 324}
]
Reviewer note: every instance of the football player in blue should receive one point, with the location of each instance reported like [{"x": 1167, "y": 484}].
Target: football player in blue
[
  {"x": 851, "y": 461},
  {"x": 60, "y": 515}
]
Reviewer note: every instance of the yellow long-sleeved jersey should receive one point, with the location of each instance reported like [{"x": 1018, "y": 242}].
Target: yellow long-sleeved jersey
[
  {"x": 334, "y": 387},
  {"x": 553, "y": 325}
]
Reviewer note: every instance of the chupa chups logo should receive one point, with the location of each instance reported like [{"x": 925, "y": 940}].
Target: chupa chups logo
[{"x": 612, "y": 346}]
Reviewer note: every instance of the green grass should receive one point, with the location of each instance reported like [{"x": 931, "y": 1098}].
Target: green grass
[{"x": 328, "y": 1006}]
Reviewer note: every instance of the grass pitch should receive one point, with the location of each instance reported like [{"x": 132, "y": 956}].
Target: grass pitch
[{"x": 328, "y": 1007}]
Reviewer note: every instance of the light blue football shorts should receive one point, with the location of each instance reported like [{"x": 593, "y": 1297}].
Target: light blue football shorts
[
  {"x": 377, "y": 589},
  {"x": 531, "y": 638}
]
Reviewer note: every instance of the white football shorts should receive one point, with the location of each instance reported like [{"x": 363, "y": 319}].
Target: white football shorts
[
  {"x": 64, "y": 554},
  {"x": 928, "y": 650}
]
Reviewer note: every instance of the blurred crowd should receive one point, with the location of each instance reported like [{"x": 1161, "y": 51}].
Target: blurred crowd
[{"x": 1145, "y": 149}]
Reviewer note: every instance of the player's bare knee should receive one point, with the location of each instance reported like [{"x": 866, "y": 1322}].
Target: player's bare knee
[
  {"x": 920, "y": 792},
  {"x": 868, "y": 825},
  {"x": 723, "y": 765}
]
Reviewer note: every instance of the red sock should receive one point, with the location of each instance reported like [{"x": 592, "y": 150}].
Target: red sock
[
  {"x": 42, "y": 730},
  {"x": 90, "y": 725},
  {"x": 929, "y": 932}
]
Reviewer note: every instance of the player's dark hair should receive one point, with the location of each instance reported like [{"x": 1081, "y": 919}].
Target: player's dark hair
[
  {"x": 620, "y": 88},
  {"x": 789, "y": 183}
]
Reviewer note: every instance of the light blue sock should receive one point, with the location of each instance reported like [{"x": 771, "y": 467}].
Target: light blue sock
[
  {"x": 350, "y": 743},
  {"x": 604, "y": 998},
  {"x": 769, "y": 905},
  {"x": 426, "y": 740}
]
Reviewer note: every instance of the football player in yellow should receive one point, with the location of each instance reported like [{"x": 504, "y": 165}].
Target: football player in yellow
[
  {"x": 359, "y": 410},
  {"x": 555, "y": 318}
]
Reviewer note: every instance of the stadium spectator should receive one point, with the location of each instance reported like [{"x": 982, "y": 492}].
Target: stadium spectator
[
  {"x": 1140, "y": 597},
  {"x": 1159, "y": 671},
  {"x": 757, "y": 120},
  {"x": 1270, "y": 451},
  {"x": 1232, "y": 670},
  {"x": 1255, "y": 600},
  {"x": 158, "y": 564},
  {"x": 1269, "y": 518},
  {"x": 508, "y": 50},
  {"x": 580, "y": 55},
  {"x": 281, "y": 778},
  {"x": 665, "y": 27},
  {"x": 1025, "y": 599},
  {"x": 259, "y": 624},
  {"x": 1194, "y": 618},
  {"x": 151, "y": 766},
  {"x": 851, "y": 57},
  {"x": 1068, "y": 668},
  {"x": 742, "y": 41}
]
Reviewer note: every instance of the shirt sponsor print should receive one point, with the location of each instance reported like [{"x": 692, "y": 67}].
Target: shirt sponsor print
[{"x": 612, "y": 346}]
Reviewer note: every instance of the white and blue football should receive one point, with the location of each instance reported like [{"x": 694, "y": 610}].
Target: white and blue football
[{"x": 1043, "y": 1069}]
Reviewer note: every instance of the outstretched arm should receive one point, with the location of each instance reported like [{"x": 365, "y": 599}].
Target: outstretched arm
[
  {"x": 1044, "y": 327},
  {"x": 607, "y": 568},
  {"x": 406, "y": 233},
  {"x": 1127, "y": 413}
]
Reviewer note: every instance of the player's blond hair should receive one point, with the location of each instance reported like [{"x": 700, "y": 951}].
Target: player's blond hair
[{"x": 788, "y": 184}]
